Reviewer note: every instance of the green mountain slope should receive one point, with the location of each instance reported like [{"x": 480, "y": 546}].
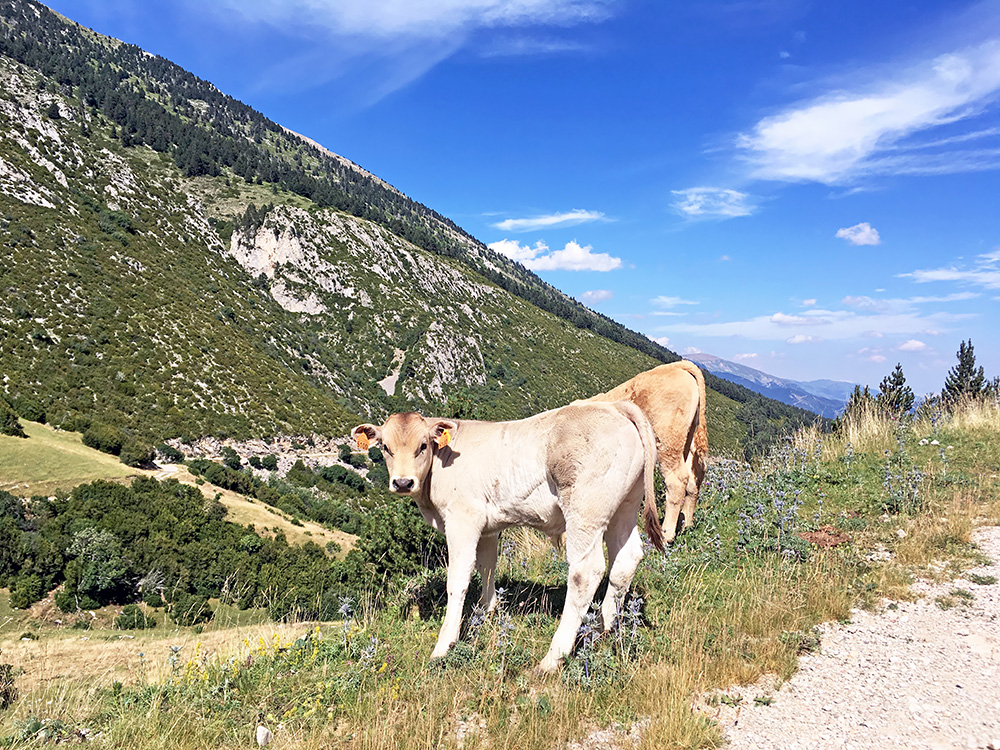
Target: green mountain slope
[{"x": 178, "y": 265}]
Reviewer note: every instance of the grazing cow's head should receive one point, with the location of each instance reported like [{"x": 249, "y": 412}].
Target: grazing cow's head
[{"x": 408, "y": 443}]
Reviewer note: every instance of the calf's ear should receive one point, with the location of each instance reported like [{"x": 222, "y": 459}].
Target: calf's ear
[
  {"x": 366, "y": 435},
  {"x": 442, "y": 431}
]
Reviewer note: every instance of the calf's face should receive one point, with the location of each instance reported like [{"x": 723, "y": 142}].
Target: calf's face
[{"x": 408, "y": 444}]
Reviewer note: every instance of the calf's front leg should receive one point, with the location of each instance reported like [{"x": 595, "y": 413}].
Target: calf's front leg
[
  {"x": 486, "y": 564},
  {"x": 462, "y": 545}
]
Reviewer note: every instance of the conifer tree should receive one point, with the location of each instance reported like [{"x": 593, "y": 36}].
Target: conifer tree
[
  {"x": 964, "y": 379},
  {"x": 859, "y": 401},
  {"x": 894, "y": 395}
]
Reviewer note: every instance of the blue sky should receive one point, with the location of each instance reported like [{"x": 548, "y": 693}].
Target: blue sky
[{"x": 812, "y": 189}]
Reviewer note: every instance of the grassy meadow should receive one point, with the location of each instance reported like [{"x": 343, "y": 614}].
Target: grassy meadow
[
  {"x": 51, "y": 460},
  {"x": 825, "y": 523}
]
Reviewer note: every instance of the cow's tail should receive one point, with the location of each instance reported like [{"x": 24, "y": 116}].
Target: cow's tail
[
  {"x": 654, "y": 530},
  {"x": 700, "y": 442}
]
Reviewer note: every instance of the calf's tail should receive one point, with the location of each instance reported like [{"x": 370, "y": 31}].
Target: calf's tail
[{"x": 650, "y": 514}]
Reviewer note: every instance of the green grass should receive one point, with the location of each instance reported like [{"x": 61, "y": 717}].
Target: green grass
[
  {"x": 51, "y": 460},
  {"x": 724, "y": 607}
]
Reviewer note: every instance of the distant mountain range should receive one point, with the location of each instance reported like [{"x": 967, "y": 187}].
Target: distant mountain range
[{"x": 825, "y": 397}]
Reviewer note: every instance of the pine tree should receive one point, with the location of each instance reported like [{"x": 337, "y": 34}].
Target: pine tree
[
  {"x": 895, "y": 396},
  {"x": 860, "y": 401},
  {"x": 964, "y": 379}
]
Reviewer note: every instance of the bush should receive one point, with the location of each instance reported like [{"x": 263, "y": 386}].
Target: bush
[
  {"x": 134, "y": 453},
  {"x": 8, "y": 693},
  {"x": 169, "y": 454},
  {"x": 25, "y": 591},
  {"x": 231, "y": 459},
  {"x": 133, "y": 618},
  {"x": 255, "y": 462},
  {"x": 104, "y": 437},
  {"x": 9, "y": 423},
  {"x": 28, "y": 409},
  {"x": 190, "y": 609},
  {"x": 153, "y": 599},
  {"x": 269, "y": 462}
]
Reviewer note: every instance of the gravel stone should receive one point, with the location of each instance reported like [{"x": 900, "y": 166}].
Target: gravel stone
[{"x": 914, "y": 676}]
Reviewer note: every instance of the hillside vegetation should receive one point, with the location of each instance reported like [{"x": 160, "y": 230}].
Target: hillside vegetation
[
  {"x": 813, "y": 529},
  {"x": 177, "y": 257}
]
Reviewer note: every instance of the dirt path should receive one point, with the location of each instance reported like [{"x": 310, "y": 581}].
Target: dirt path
[{"x": 916, "y": 675}]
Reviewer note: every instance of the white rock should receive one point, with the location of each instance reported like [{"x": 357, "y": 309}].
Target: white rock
[
  {"x": 263, "y": 735},
  {"x": 901, "y": 533}
]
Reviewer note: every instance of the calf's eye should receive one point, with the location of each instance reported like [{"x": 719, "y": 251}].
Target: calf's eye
[{"x": 423, "y": 447}]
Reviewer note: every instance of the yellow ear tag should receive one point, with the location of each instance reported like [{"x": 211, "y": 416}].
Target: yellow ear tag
[
  {"x": 444, "y": 439},
  {"x": 362, "y": 441}
]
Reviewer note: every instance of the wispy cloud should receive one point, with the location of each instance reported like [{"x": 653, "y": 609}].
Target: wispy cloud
[
  {"x": 550, "y": 221},
  {"x": 573, "y": 257},
  {"x": 375, "y": 47},
  {"x": 595, "y": 296},
  {"x": 870, "y": 317},
  {"x": 983, "y": 272},
  {"x": 426, "y": 19},
  {"x": 913, "y": 345},
  {"x": 860, "y": 234},
  {"x": 712, "y": 203},
  {"x": 745, "y": 357},
  {"x": 665, "y": 301},
  {"x": 842, "y": 135}
]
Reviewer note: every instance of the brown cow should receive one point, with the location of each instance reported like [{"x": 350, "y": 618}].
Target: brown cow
[
  {"x": 581, "y": 470},
  {"x": 672, "y": 397}
]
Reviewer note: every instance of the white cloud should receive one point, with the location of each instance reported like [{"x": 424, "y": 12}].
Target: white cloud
[
  {"x": 692, "y": 350},
  {"x": 742, "y": 357},
  {"x": 912, "y": 346},
  {"x": 799, "y": 338},
  {"x": 425, "y": 19},
  {"x": 712, "y": 203},
  {"x": 661, "y": 340},
  {"x": 860, "y": 234},
  {"x": 667, "y": 301},
  {"x": 724, "y": 258},
  {"x": 595, "y": 296},
  {"x": 844, "y": 134},
  {"x": 831, "y": 325},
  {"x": 791, "y": 320},
  {"x": 808, "y": 303},
  {"x": 984, "y": 272},
  {"x": 573, "y": 257},
  {"x": 566, "y": 219}
]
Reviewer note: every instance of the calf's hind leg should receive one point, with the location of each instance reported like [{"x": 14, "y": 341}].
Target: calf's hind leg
[
  {"x": 624, "y": 554},
  {"x": 586, "y": 568}
]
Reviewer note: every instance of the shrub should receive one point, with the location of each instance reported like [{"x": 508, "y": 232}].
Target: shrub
[
  {"x": 28, "y": 409},
  {"x": 231, "y": 459},
  {"x": 169, "y": 454},
  {"x": 269, "y": 462},
  {"x": 133, "y": 618},
  {"x": 190, "y": 609},
  {"x": 9, "y": 424},
  {"x": 104, "y": 437},
  {"x": 134, "y": 453},
  {"x": 153, "y": 598},
  {"x": 25, "y": 591},
  {"x": 8, "y": 693},
  {"x": 255, "y": 462}
]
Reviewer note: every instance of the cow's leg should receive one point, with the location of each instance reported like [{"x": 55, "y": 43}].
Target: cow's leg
[
  {"x": 462, "y": 543},
  {"x": 695, "y": 476},
  {"x": 624, "y": 554},
  {"x": 676, "y": 483},
  {"x": 586, "y": 568},
  {"x": 486, "y": 564}
]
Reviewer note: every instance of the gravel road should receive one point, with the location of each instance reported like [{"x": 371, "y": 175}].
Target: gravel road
[{"x": 914, "y": 675}]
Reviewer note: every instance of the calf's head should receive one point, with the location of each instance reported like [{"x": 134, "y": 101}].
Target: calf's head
[{"x": 408, "y": 443}]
